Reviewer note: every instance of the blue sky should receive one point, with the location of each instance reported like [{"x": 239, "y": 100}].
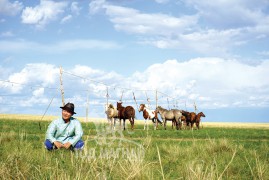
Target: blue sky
[{"x": 214, "y": 54}]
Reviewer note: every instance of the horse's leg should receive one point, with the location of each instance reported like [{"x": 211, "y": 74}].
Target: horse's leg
[
  {"x": 123, "y": 124},
  {"x": 114, "y": 119},
  {"x": 132, "y": 123},
  {"x": 165, "y": 124},
  {"x": 192, "y": 125},
  {"x": 145, "y": 124},
  {"x": 188, "y": 125},
  {"x": 197, "y": 125},
  {"x": 155, "y": 124},
  {"x": 180, "y": 123},
  {"x": 111, "y": 123}
]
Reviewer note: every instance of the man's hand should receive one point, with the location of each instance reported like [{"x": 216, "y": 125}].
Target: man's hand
[
  {"x": 58, "y": 144},
  {"x": 67, "y": 145}
]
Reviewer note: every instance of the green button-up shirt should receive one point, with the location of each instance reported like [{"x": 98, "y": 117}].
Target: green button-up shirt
[{"x": 63, "y": 132}]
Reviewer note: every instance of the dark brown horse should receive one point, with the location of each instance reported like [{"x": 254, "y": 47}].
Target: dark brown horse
[
  {"x": 191, "y": 118},
  {"x": 198, "y": 119},
  {"x": 126, "y": 113}
]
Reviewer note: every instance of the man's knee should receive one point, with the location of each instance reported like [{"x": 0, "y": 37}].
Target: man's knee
[
  {"x": 79, "y": 145},
  {"x": 48, "y": 145}
]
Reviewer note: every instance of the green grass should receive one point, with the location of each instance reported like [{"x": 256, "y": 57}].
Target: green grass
[{"x": 210, "y": 153}]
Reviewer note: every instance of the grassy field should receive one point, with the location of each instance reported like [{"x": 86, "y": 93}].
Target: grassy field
[{"x": 213, "y": 152}]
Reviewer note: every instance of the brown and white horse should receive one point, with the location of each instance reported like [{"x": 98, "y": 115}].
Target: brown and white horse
[
  {"x": 126, "y": 113},
  {"x": 149, "y": 114},
  {"x": 172, "y": 115}
]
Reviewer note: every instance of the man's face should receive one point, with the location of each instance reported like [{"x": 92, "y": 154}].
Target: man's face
[{"x": 66, "y": 115}]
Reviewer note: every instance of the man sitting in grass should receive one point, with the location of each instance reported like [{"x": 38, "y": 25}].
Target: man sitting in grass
[{"x": 65, "y": 132}]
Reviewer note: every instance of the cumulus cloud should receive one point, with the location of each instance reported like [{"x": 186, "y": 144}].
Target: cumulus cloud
[
  {"x": 209, "y": 82},
  {"x": 10, "y": 9},
  {"x": 43, "y": 13},
  {"x": 32, "y": 74}
]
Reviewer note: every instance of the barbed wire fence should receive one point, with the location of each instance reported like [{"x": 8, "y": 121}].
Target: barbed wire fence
[{"x": 88, "y": 94}]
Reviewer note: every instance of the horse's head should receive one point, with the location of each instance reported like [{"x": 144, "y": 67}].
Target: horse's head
[
  {"x": 158, "y": 109},
  {"x": 201, "y": 114},
  {"x": 108, "y": 106},
  {"x": 119, "y": 105},
  {"x": 141, "y": 107},
  {"x": 185, "y": 113}
]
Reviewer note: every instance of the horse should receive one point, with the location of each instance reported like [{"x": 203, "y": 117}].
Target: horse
[
  {"x": 198, "y": 119},
  {"x": 149, "y": 115},
  {"x": 192, "y": 119},
  {"x": 187, "y": 116},
  {"x": 112, "y": 115},
  {"x": 184, "y": 121},
  {"x": 172, "y": 115},
  {"x": 126, "y": 113}
]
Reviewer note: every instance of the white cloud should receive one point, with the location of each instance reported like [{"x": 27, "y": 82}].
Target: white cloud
[
  {"x": 38, "y": 92},
  {"x": 96, "y": 5},
  {"x": 58, "y": 47},
  {"x": 75, "y": 9},
  {"x": 43, "y": 14},
  {"x": 263, "y": 53},
  {"x": 210, "y": 82},
  {"x": 230, "y": 14},
  {"x": 162, "y": 1},
  {"x": 7, "y": 34},
  {"x": 10, "y": 9},
  {"x": 132, "y": 21},
  {"x": 33, "y": 74},
  {"x": 66, "y": 19},
  {"x": 208, "y": 29}
]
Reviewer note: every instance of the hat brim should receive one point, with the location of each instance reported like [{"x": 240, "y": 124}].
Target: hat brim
[{"x": 69, "y": 110}]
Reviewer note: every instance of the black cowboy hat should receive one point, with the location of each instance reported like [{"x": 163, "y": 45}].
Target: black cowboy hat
[{"x": 69, "y": 107}]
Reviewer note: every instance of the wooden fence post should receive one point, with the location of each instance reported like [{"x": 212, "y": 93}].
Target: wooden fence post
[{"x": 61, "y": 85}]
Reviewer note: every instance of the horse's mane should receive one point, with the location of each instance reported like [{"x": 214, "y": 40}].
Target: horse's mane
[
  {"x": 160, "y": 107},
  {"x": 111, "y": 106}
]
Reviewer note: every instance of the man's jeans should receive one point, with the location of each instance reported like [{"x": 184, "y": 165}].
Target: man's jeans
[{"x": 50, "y": 146}]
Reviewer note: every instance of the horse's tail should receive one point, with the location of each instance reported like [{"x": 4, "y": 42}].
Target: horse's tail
[{"x": 159, "y": 121}]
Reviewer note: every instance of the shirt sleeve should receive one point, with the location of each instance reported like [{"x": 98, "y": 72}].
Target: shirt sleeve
[
  {"x": 51, "y": 132},
  {"x": 78, "y": 133}
]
